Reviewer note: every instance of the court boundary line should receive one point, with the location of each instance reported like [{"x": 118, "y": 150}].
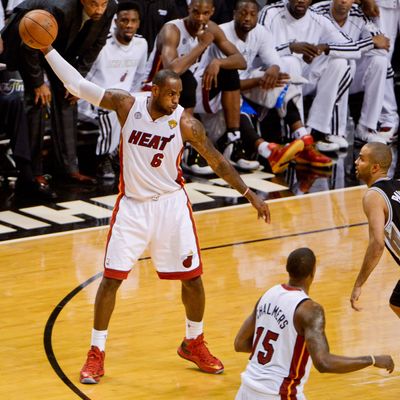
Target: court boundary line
[
  {"x": 47, "y": 335},
  {"x": 217, "y": 209}
]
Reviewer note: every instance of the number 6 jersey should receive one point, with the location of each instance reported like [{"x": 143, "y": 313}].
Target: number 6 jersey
[
  {"x": 150, "y": 152},
  {"x": 280, "y": 363}
]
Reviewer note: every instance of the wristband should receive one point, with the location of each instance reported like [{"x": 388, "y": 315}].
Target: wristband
[
  {"x": 373, "y": 360},
  {"x": 245, "y": 192}
]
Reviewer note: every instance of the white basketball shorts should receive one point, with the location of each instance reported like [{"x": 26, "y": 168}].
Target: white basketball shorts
[
  {"x": 247, "y": 393},
  {"x": 165, "y": 226}
]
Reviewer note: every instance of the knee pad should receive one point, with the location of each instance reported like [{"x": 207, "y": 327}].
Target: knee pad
[
  {"x": 228, "y": 80},
  {"x": 189, "y": 85},
  {"x": 395, "y": 297}
]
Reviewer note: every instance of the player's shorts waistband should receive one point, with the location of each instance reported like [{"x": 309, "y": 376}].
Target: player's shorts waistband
[{"x": 162, "y": 196}]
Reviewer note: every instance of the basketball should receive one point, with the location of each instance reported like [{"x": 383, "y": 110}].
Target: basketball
[{"x": 38, "y": 29}]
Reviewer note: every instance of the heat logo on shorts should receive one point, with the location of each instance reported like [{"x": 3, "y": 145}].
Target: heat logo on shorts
[{"x": 187, "y": 262}]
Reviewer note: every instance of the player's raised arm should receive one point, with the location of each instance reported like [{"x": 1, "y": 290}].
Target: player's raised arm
[
  {"x": 117, "y": 100},
  {"x": 193, "y": 131}
]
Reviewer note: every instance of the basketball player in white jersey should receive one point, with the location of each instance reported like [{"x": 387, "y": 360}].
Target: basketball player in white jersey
[
  {"x": 154, "y": 130},
  {"x": 179, "y": 46},
  {"x": 381, "y": 204},
  {"x": 311, "y": 46},
  {"x": 285, "y": 328},
  {"x": 370, "y": 71},
  {"x": 389, "y": 22},
  {"x": 260, "y": 83},
  {"x": 121, "y": 64}
]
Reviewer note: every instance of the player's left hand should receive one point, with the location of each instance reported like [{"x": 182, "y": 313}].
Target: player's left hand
[
  {"x": 261, "y": 207},
  {"x": 355, "y": 294}
]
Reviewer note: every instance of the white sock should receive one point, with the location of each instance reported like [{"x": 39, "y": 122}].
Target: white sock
[
  {"x": 264, "y": 150},
  {"x": 299, "y": 133},
  {"x": 99, "y": 339},
  {"x": 193, "y": 329}
]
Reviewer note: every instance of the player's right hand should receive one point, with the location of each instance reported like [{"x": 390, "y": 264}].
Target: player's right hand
[
  {"x": 205, "y": 37},
  {"x": 384, "y": 362},
  {"x": 355, "y": 294},
  {"x": 381, "y": 42},
  {"x": 307, "y": 49},
  {"x": 42, "y": 94}
]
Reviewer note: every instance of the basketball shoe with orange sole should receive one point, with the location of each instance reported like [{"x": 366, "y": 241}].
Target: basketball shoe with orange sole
[
  {"x": 196, "y": 351},
  {"x": 282, "y": 155}
]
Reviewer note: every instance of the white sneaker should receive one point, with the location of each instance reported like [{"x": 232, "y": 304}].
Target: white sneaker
[
  {"x": 339, "y": 140},
  {"x": 366, "y": 135},
  {"x": 325, "y": 147},
  {"x": 389, "y": 133},
  {"x": 193, "y": 162},
  {"x": 234, "y": 153}
]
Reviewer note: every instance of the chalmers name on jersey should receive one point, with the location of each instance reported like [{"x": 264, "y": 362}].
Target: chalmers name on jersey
[
  {"x": 389, "y": 189},
  {"x": 280, "y": 363},
  {"x": 151, "y": 153}
]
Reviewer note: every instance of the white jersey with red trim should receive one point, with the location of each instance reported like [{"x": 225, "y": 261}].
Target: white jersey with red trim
[
  {"x": 280, "y": 363},
  {"x": 258, "y": 43},
  {"x": 186, "y": 43},
  {"x": 151, "y": 153}
]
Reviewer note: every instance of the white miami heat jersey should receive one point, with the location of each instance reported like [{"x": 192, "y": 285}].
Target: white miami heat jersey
[
  {"x": 120, "y": 66},
  {"x": 280, "y": 363},
  {"x": 151, "y": 153},
  {"x": 186, "y": 43},
  {"x": 259, "y": 42}
]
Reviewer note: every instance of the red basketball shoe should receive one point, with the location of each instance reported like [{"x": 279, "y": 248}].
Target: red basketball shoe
[
  {"x": 282, "y": 155},
  {"x": 311, "y": 156},
  {"x": 93, "y": 369},
  {"x": 195, "y": 350}
]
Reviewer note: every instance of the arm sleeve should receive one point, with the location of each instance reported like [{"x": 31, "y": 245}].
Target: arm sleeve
[{"x": 73, "y": 81}]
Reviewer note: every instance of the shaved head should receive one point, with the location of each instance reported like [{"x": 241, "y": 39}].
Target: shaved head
[
  {"x": 380, "y": 154},
  {"x": 300, "y": 263}
]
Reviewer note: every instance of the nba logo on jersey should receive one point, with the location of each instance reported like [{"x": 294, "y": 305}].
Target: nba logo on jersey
[{"x": 172, "y": 123}]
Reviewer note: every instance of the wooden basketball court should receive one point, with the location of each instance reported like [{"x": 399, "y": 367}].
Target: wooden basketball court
[{"x": 48, "y": 285}]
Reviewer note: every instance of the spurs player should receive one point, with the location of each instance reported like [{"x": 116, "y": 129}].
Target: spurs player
[
  {"x": 285, "y": 328},
  {"x": 153, "y": 209},
  {"x": 295, "y": 29},
  {"x": 370, "y": 71},
  {"x": 382, "y": 208}
]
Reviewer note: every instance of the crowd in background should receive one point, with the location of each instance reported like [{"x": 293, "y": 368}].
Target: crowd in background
[{"x": 271, "y": 82}]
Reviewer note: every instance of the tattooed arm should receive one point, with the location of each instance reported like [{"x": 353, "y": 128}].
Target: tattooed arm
[
  {"x": 193, "y": 132},
  {"x": 309, "y": 320},
  {"x": 119, "y": 101}
]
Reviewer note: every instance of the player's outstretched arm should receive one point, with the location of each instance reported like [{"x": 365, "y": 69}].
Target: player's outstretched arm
[
  {"x": 310, "y": 322},
  {"x": 193, "y": 132},
  {"x": 112, "y": 99},
  {"x": 374, "y": 208}
]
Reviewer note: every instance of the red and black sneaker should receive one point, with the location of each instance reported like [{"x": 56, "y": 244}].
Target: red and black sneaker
[
  {"x": 195, "y": 350},
  {"x": 93, "y": 369}
]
